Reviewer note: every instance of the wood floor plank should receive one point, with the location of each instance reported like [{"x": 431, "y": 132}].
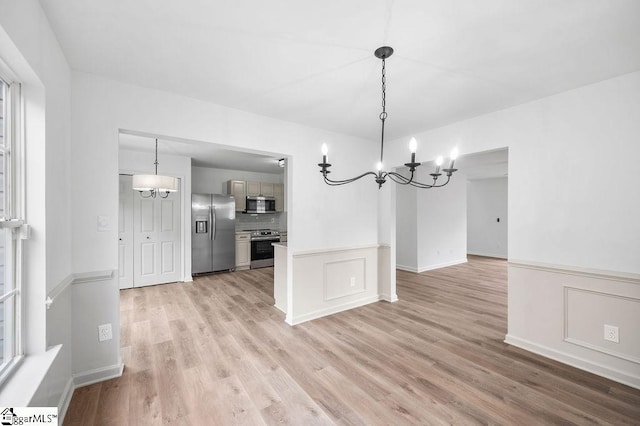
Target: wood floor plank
[{"x": 216, "y": 351}]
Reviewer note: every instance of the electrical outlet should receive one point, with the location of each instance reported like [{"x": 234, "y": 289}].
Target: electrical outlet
[
  {"x": 353, "y": 281},
  {"x": 611, "y": 333},
  {"x": 104, "y": 332}
]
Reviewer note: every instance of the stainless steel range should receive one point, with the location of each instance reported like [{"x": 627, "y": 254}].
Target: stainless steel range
[{"x": 261, "y": 248}]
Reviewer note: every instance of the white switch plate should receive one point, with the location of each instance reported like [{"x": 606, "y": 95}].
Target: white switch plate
[
  {"x": 105, "y": 332},
  {"x": 611, "y": 333},
  {"x": 103, "y": 223},
  {"x": 353, "y": 281}
]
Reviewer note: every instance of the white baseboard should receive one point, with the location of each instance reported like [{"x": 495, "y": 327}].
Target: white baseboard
[
  {"x": 65, "y": 399},
  {"x": 431, "y": 267},
  {"x": 333, "y": 310},
  {"x": 486, "y": 254},
  {"x": 574, "y": 361},
  {"x": 389, "y": 298},
  {"x": 442, "y": 265},
  {"x": 98, "y": 375},
  {"x": 407, "y": 268}
]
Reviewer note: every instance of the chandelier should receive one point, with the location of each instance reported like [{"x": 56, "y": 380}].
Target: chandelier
[
  {"x": 155, "y": 184},
  {"x": 380, "y": 175}
]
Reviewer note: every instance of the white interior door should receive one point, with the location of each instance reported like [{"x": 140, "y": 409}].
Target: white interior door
[
  {"x": 156, "y": 240},
  {"x": 125, "y": 233}
]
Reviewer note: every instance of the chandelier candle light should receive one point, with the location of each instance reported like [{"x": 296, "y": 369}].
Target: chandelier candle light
[
  {"x": 380, "y": 175},
  {"x": 155, "y": 184}
]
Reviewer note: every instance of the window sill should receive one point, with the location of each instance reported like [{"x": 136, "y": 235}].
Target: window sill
[{"x": 19, "y": 388}]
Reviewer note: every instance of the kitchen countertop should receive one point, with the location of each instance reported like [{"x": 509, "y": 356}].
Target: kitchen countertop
[{"x": 251, "y": 230}]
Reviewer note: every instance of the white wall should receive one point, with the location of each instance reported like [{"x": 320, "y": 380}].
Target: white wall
[
  {"x": 486, "y": 202},
  {"x": 329, "y": 217},
  {"x": 406, "y": 226},
  {"x": 319, "y": 217},
  {"x": 431, "y": 224},
  {"x": 572, "y": 161},
  {"x": 214, "y": 181},
  {"x": 442, "y": 222},
  {"x": 28, "y": 46},
  {"x": 572, "y": 203}
]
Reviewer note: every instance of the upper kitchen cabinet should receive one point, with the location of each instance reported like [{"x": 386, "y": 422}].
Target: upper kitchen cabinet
[
  {"x": 253, "y": 189},
  {"x": 278, "y": 193},
  {"x": 264, "y": 189},
  {"x": 238, "y": 188}
]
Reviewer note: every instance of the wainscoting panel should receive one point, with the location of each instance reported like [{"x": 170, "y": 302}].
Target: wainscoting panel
[
  {"x": 560, "y": 312},
  {"x": 344, "y": 278},
  {"x": 586, "y": 313},
  {"x": 330, "y": 281}
]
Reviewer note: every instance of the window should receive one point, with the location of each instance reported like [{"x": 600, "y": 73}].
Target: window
[{"x": 11, "y": 224}]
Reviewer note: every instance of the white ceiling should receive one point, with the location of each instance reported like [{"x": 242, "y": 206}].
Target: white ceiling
[
  {"x": 202, "y": 154},
  {"x": 312, "y": 62}
]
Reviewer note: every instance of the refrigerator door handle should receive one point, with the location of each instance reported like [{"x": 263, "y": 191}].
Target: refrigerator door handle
[
  {"x": 213, "y": 224},
  {"x": 210, "y": 222}
]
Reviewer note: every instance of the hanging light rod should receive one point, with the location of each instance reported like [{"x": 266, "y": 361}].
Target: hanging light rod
[
  {"x": 380, "y": 175},
  {"x": 154, "y": 184}
]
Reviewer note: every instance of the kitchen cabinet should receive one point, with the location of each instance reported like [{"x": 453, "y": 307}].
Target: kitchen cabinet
[
  {"x": 241, "y": 189},
  {"x": 255, "y": 189},
  {"x": 278, "y": 194},
  {"x": 243, "y": 250},
  {"x": 266, "y": 189},
  {"x": 238, "y": 188}
]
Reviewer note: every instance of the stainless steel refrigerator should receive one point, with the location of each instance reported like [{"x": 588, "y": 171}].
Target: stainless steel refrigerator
[{"x": 213, "y": 227}]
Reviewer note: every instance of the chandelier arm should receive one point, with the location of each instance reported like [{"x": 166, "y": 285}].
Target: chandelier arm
[
  {"x": 403, "y": 180},
  {"x": 427, "y": 186},
  {"x": 399, "y": 179},
  {"x": 345, "y": 181}
]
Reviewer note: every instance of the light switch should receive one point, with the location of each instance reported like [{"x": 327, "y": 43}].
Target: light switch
[{"x": 103, "y": 223}]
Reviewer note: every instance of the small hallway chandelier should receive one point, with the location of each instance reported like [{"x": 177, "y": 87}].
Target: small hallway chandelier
[
  {"x": 380, "y": 175},
  {"x": 155, "y": 184}
]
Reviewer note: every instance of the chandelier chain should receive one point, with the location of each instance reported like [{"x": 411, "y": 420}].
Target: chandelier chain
[
  {"x": 383, "y": 114},
  {"x": 156, "y": 162}
]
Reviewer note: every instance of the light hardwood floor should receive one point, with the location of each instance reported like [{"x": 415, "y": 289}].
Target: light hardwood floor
[{"x": 217, "y": 352}]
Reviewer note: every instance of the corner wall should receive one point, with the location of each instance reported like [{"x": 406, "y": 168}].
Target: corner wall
[
  {"x": 431, "y": 223},
  {"x": 573, "y": 205},
  {"x": 319, "y": 217}
]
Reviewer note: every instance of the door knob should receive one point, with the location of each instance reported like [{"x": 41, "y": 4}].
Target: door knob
[
  {"x": 148, "y": 238},
  {"x": 120, "y": 239}
]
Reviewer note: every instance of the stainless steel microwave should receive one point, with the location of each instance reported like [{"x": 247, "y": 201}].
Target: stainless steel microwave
[{"x": 260, "y": 205}]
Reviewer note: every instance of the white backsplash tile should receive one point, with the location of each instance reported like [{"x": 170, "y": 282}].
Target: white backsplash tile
[{"x": 248, "y": 222}]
